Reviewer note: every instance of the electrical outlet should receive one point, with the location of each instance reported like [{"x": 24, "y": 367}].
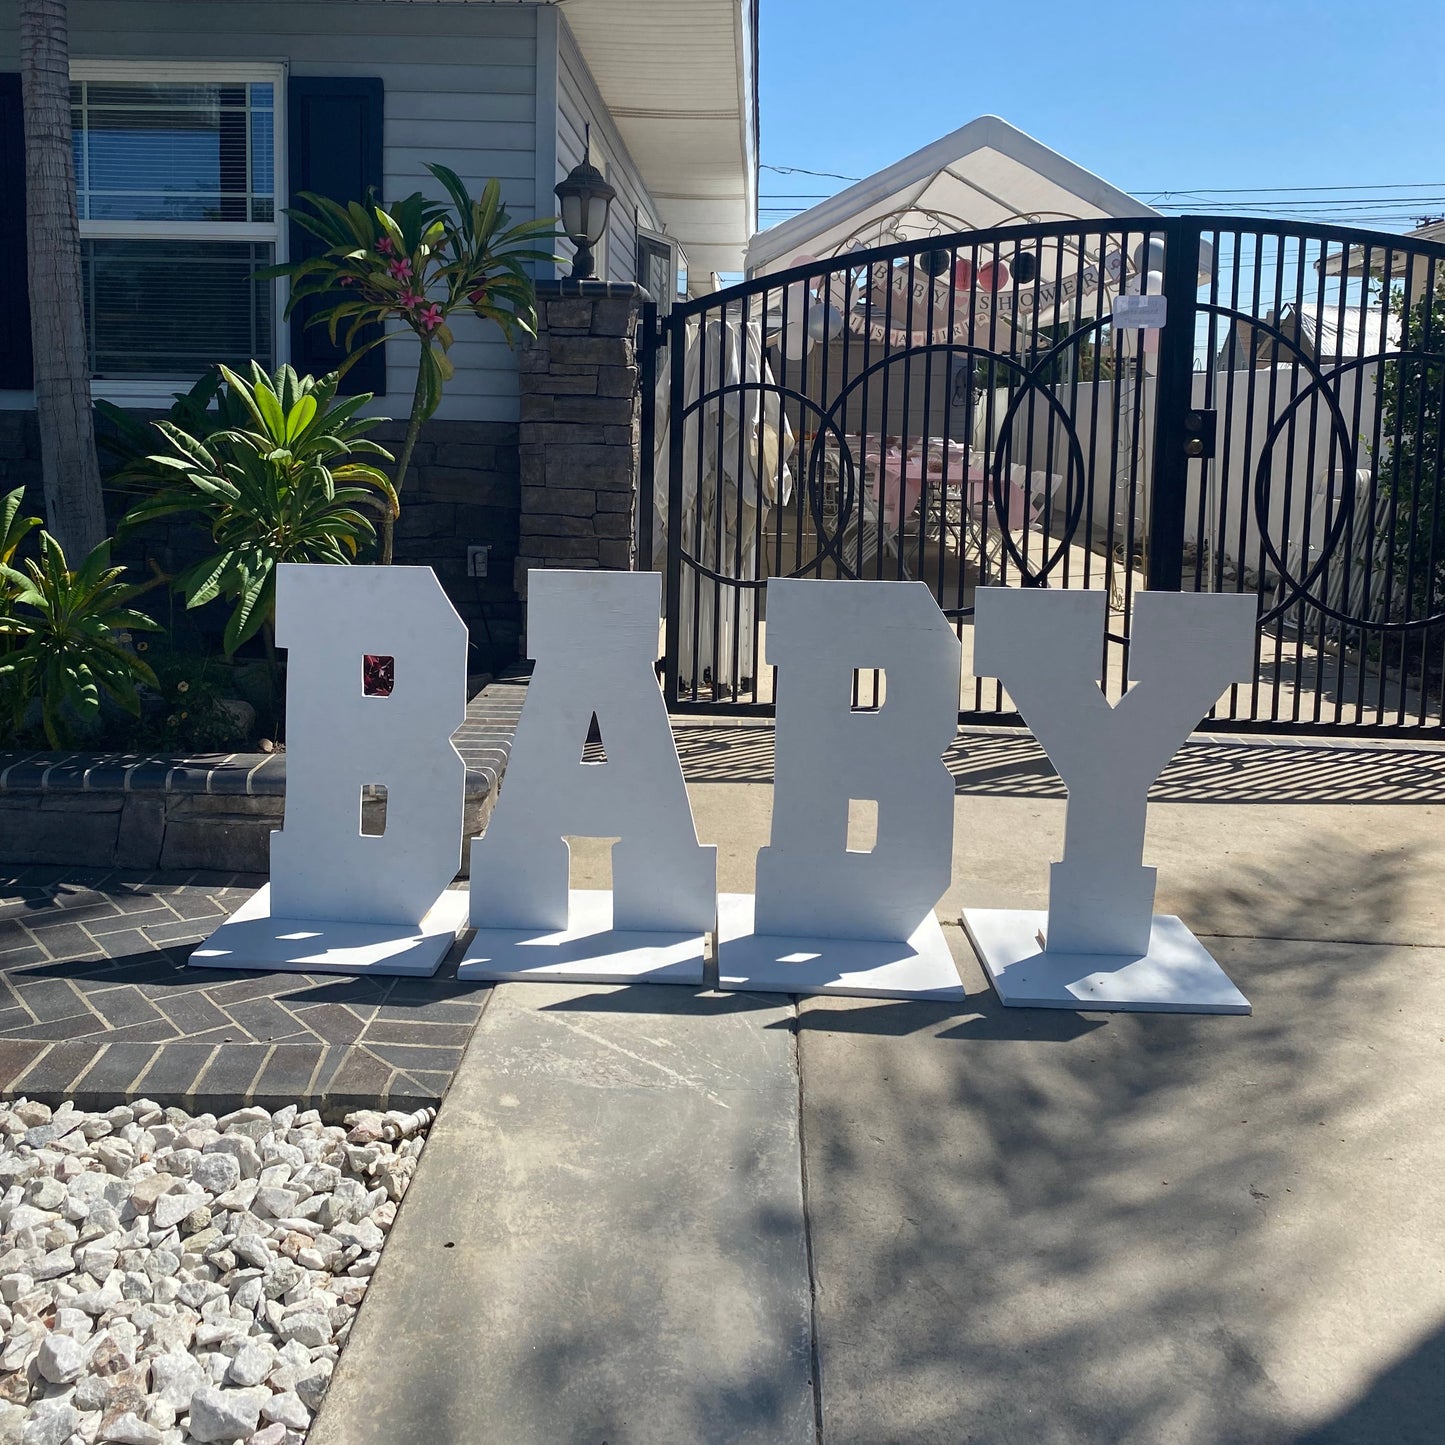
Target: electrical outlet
[{"x": 477, "y": 561}]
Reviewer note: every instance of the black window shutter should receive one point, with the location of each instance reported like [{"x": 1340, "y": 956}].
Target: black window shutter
[
  {"x": 334, "y": 129},
  {"x": 15, "y": 370}
]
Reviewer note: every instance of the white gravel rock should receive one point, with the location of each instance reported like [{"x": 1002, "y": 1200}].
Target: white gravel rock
[
  {"x": 129, "y": 1429},
  {"x": 61, "y": 1359},
  {"x": 216, "y": 1173},
  {"x": 13, "y": 1286},
  {"x": 169, "y": 1279},
  {"x": 306, "y": 1328},
  {"x": 12, "y": 1422},
  {"x": 175, "y": 1378},
  {"x": 287, "y": 1409},
  {"x": 51, "y": 1422},
  {"x": 252, "y": 1363},
  {"x": 225, "y": 1415}
]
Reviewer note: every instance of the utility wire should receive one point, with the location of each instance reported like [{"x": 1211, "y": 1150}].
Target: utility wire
[
  {"x": 804, "y": 171},
  {"x": 1279, "y": 190}
]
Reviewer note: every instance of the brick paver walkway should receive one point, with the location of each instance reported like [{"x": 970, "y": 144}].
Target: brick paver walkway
[{"x": 97, "y": 1004}]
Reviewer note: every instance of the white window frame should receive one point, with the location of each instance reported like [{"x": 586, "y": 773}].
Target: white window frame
[
  {"x": 158, "y": 391},
  {"x": 646, "y": 233}
]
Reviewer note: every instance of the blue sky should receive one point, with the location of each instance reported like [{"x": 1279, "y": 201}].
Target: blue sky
[{"x": 1233, "y": 93}]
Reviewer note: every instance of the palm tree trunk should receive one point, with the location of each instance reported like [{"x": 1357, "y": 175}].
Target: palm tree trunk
[
  {"x": 403, "y": 464},
  {"x": 73, "y": 505}
]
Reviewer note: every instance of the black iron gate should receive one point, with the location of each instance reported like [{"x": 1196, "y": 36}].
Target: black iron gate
[{"x": 1005, "y": 408}]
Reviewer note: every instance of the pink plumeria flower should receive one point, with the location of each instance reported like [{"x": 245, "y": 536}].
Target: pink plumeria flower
[
  {"x": 431, "y": 318},
  {"x": 401, "y": 269},
  {"x": 384, "y": 246}
]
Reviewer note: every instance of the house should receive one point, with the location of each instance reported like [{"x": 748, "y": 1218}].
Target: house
[{"x": 197, "y": 124}]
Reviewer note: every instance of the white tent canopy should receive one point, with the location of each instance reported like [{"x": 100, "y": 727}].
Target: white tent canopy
[{"x": 984, "y": 175}]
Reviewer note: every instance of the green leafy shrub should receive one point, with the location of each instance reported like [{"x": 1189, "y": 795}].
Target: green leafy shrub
[
  {"x": 284, "y": 487},
  {"x": 195, "y": 707},
  {"x": 127, "y": 442},
  {"x": 64, "y": 636},
  {"x": 13, "y": 527},
  {"x": 1412, "y": 404}
]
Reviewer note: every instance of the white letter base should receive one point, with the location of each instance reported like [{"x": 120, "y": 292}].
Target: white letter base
[
  {"x": 1177, "y": 975},
  {"x": 922, "y": 968},
  {"x": 588, "y": 950},
  {"x": 251, "y": 938}
]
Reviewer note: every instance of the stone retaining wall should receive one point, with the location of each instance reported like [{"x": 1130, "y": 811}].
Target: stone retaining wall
[{"x": 216, "y": 812}]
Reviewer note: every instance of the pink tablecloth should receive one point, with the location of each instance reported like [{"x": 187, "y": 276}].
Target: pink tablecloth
[{"x": 897, "y": 485}]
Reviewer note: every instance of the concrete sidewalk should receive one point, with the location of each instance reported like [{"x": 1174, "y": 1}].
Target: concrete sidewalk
[{"x": 1023, "y": 1227}]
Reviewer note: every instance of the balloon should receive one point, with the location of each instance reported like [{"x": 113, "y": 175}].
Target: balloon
[
  {"x": 962, "y": 274},
  {"x": 1026, "y": 267},
  {"x": 1154, "y": 283},
  {"x": 993, "y": 277},
  {"x": 825, "y": 323},
  {"x": 1149, "y": 254},
  {"x": 937, "y": 262}
]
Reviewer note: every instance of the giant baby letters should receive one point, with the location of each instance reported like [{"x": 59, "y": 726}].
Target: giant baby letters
[{"x": 824, "y": 919}]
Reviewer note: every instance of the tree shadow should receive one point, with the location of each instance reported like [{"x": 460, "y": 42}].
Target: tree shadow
[
  {"x": 1208, "y": 768},
  {"x": 1403, "y": 1405},
  {"x": 1160, "y": 1227}
]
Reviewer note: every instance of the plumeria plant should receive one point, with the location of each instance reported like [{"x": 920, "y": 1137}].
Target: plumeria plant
[
  {"x": 417, "y": 263},
  {"x": 291, "y": 485}
]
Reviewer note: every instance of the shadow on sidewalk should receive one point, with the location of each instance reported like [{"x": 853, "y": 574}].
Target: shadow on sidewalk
[
  {"x": 1182, "y": 1228},
  {"x": 1207, "y": 769}
]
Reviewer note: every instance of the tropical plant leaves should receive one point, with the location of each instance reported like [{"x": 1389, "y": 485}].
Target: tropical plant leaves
[
  {"x": 281, "y": 485},
  {"x": 64, "y": 632}
]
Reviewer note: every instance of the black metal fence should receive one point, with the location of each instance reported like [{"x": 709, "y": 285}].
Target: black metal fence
[{"x": 1006, "y": 408}]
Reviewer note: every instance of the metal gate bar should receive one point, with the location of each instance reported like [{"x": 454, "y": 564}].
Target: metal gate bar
[{"x": 961, "y": 410}]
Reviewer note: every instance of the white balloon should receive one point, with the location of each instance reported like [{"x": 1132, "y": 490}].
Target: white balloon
[
  {"x": 825, "y": 322},
  {"x": 1154, "y": 283},
  {"x": 796, "y": 341},
  {"x": 1149, "y": 254}
]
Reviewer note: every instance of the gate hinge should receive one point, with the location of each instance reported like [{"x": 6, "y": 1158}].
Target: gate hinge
[{"x": 1199, "y": 427}]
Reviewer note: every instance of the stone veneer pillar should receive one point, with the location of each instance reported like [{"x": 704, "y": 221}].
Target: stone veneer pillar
[{"x": 580, "y": 429}]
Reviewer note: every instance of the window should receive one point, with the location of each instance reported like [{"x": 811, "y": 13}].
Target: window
[
  {"x": 656, "y": 268},
  {"x": 176, "y": 183}
]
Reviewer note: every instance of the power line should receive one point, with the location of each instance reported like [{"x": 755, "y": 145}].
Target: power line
[
  {"x": 804, "y": 171},
  {"x": 1278, "y": 190},
  {"x": 1346, "y": 202}
]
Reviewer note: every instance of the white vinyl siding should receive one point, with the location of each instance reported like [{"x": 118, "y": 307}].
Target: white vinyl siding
[{"x": 460, "y": 84}]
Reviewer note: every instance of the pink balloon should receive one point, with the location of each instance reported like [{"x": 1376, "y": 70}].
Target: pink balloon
[{"x": 994, "y": 277}]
